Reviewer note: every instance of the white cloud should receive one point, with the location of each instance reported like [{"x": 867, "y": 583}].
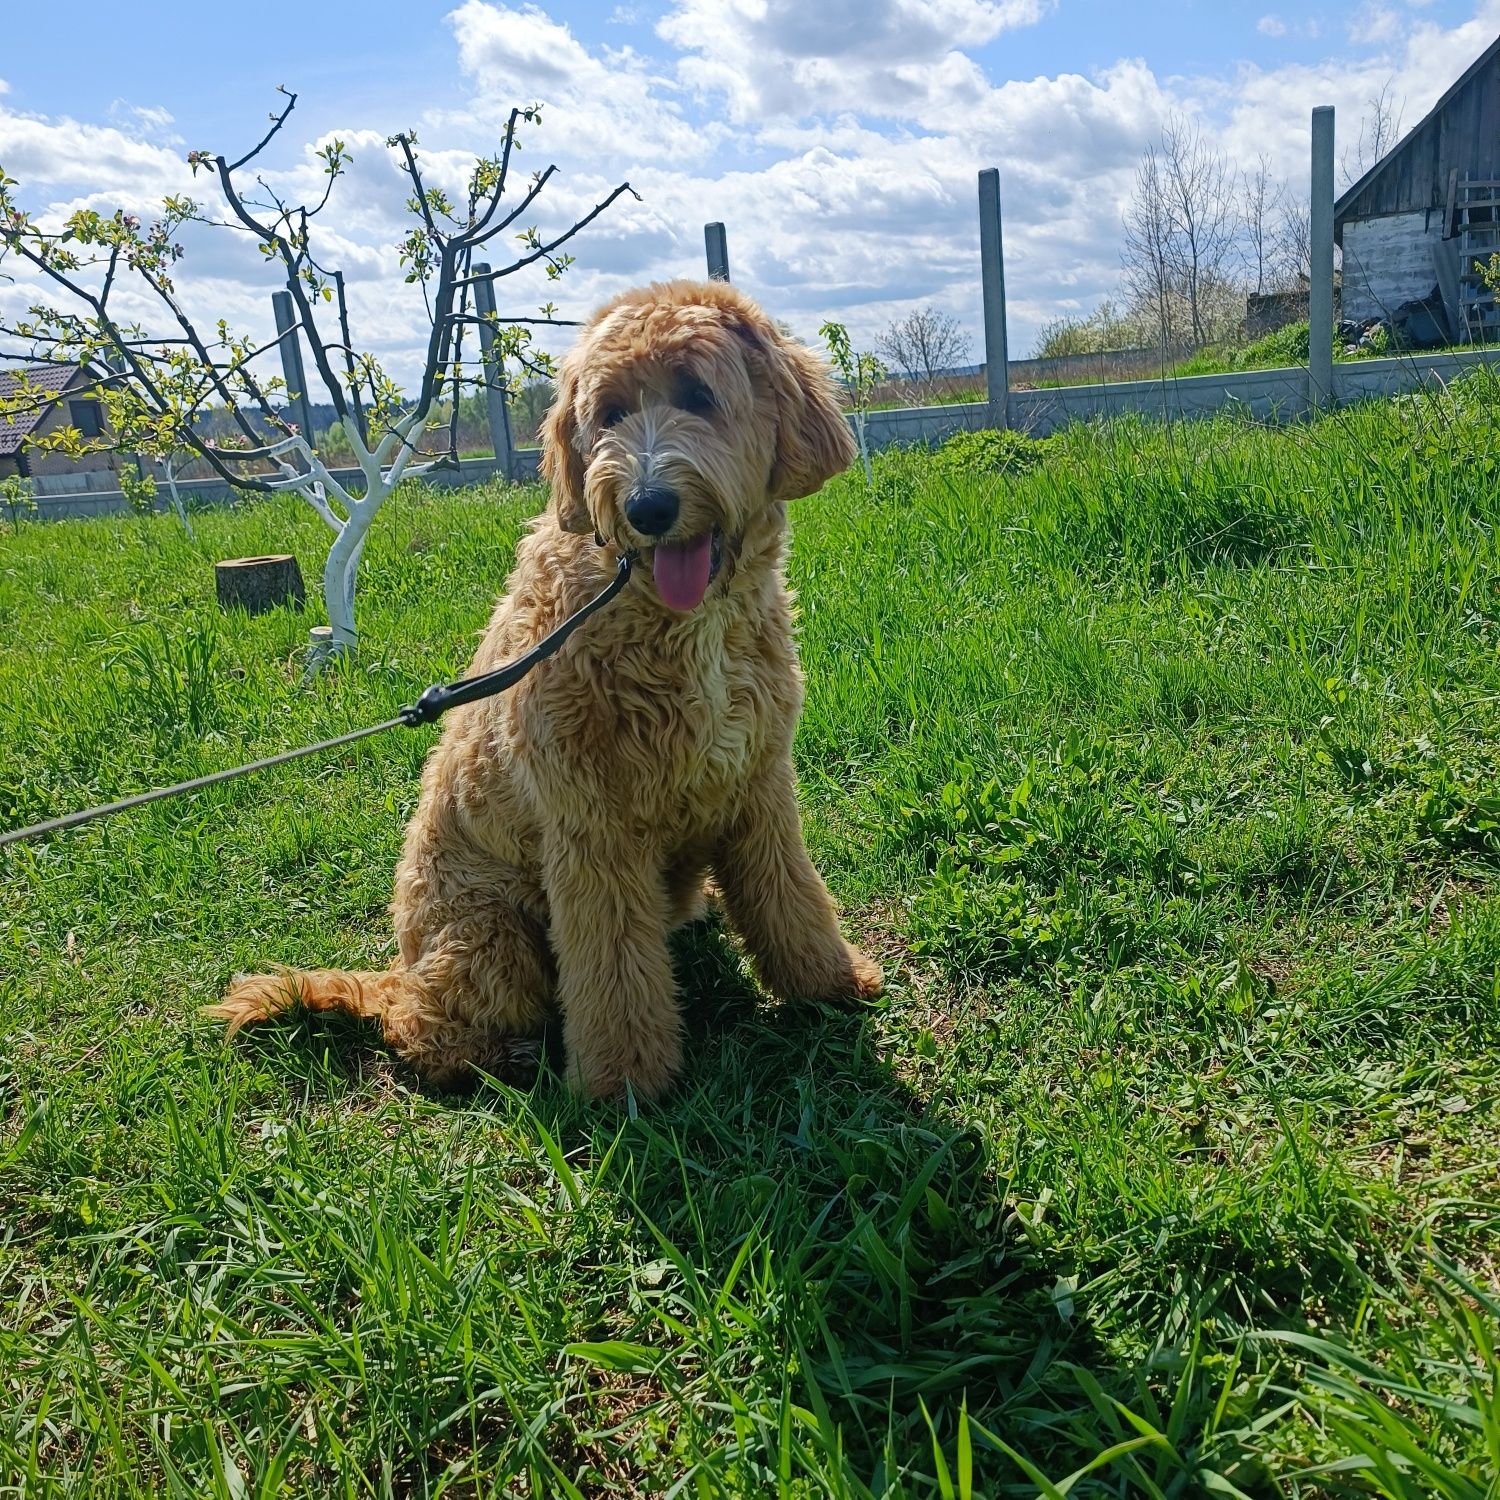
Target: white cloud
[
  {"x": 1308, "y": 29},
  {"x": 892, "y": 58},
  {"x": 61, "y": 152},
  {"x": 852, "y": 221},
  {"x": 4, "y": 87},
  {"x": 838, "y": 142},
  {"x": 1268, "y": 110},
  {"x": 607, "y": 103},
  {"x": 150, "y": 122},
  {"x": 1374, "y": 25}
]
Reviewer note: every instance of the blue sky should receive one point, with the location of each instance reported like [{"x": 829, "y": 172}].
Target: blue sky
[
  {"x": 838, "y": 139},
  {"x": 383, "y": 54}
]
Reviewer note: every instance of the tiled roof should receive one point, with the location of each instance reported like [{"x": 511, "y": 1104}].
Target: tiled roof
[{"x": 39, "y": 381}]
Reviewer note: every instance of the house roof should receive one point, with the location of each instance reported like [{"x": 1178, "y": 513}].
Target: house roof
[
  {"x": 34, "y": 380},
  {"x": 1352, "y": 192}
]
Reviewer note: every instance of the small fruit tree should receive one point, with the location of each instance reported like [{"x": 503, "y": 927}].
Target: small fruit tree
[
  {"x": 159, "y": 384},
  {"x": 859, "y": 375}
]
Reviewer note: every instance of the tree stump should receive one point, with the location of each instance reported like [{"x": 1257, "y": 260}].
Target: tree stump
[{"x": 258, "y": 584}]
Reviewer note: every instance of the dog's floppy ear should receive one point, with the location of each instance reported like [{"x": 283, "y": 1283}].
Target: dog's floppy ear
[
  {"x": 813, "y": 440},
  {"x": 562, "y": 464}
]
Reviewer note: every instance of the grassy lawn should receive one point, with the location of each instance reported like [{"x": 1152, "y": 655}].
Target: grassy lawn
[
  {"x": 1287, "y": 348},
  {"x": 1163, "y": 777},
  {"x": 956, "y": 394}
]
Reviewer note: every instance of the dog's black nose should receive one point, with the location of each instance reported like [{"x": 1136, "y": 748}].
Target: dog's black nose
[{"x": 652, "y": 511}]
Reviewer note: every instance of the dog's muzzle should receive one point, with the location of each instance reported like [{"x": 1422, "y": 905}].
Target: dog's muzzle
[{"x": 685, "y": 568}]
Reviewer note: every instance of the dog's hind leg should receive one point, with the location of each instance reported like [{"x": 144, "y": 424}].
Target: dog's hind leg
[
  {"x": 471, "y": 987},
  {"x": 777, "y": 901},
  {"x": 476, "y": 997},
  {"x": 471, "y": 993},
  {"x": 689, "y": 895},
  {"x": 473, "y": 944}
]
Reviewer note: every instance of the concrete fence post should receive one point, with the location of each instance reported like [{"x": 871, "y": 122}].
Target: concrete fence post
[
  {"x": 291, "y": 363},
  {"x": 1320, "y": 288},
  {"x": 717, "y": 247},
  {"x": 497, "y": 407},
  {"x": 992, "y": 272}
]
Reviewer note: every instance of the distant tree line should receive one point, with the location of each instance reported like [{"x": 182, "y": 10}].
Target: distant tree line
[{"x": 1201, "y": 234}]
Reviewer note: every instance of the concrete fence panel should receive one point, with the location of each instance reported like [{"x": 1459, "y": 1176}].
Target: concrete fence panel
[{"x": 1265, "y": 395}]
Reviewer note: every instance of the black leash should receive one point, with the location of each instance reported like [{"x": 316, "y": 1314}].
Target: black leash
[{"x": 433, "y": 703}]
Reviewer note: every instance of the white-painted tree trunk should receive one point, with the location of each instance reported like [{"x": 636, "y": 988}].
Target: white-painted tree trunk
[
  {"x": 177, "y": 503},
  {"x": 341, "y": 571},
  {"x": 384, "y": 468}
]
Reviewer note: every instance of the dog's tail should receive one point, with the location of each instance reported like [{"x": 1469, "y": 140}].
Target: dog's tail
[{"x": 258, "y": 997}]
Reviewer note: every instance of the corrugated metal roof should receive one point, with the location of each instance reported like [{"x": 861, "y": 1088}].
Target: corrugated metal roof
[{"x": 38, "y": 380}]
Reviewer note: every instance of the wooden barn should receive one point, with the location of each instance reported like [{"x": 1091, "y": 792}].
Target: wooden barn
[{"x": 1413, "y": 225}]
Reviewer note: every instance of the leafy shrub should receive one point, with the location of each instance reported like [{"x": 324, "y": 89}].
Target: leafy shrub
[
  {"x": 1107, "y": 328},
  {"x": 1286, "y": 346},
  {"x": 1459, "y": 817},
  {"x": 19, "y": 501},
  {"x": 992, "y": 451},
  {"x": 898, "y": 473},
  {"x": 139, "y": 491}
]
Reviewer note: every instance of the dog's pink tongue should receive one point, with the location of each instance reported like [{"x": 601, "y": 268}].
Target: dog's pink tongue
[{"x": 681, "y": 570}]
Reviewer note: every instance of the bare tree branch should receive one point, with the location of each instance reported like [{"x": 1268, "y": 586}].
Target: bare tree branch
[
  {"x": 349, "y": 363},
  {"x": 1261, "y": 201},
  {"x": 545, "y": 251},
  {"x": 923, "y": 346},
  {"x": 277, "y": 121},
  {"x": 1180, "y": 235},
  {"x": 1379, "y": 130},
  {"x": 501, "y": 177}
]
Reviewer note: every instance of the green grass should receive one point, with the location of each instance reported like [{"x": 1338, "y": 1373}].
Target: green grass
[
  {"x": 1286, "y": 348},
  {"x": 1163, "y": 778},
  {"x": 956, "y": 394}
]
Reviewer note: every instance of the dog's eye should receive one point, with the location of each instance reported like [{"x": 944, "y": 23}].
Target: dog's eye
[
  {"x": 612, "y": 417},
  {"x": 696, "y": 399}
]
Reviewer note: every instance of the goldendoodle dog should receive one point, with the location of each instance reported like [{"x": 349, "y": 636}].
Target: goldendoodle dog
[{"x": 565, "y": 828}]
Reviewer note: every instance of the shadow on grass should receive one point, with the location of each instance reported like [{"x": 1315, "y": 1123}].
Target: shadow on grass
[{"x": 843, "y": 1263}]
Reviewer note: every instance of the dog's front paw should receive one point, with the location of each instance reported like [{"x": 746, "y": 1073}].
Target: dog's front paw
[
  {"x": 833, "y": 972},
  {"x": 852, "y": 976},
  {"x": 866, "y": 977},
  {"x": 648, "y": 1064}
]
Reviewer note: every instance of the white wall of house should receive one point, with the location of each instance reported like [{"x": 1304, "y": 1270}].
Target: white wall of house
[{"x": 1388, "y": 261}]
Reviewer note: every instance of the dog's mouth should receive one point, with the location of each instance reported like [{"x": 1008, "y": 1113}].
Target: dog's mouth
[{"x": 685, "y": 570}]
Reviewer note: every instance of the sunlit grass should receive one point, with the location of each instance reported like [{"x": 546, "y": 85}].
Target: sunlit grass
[{"x": 1164, "y": 779}]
